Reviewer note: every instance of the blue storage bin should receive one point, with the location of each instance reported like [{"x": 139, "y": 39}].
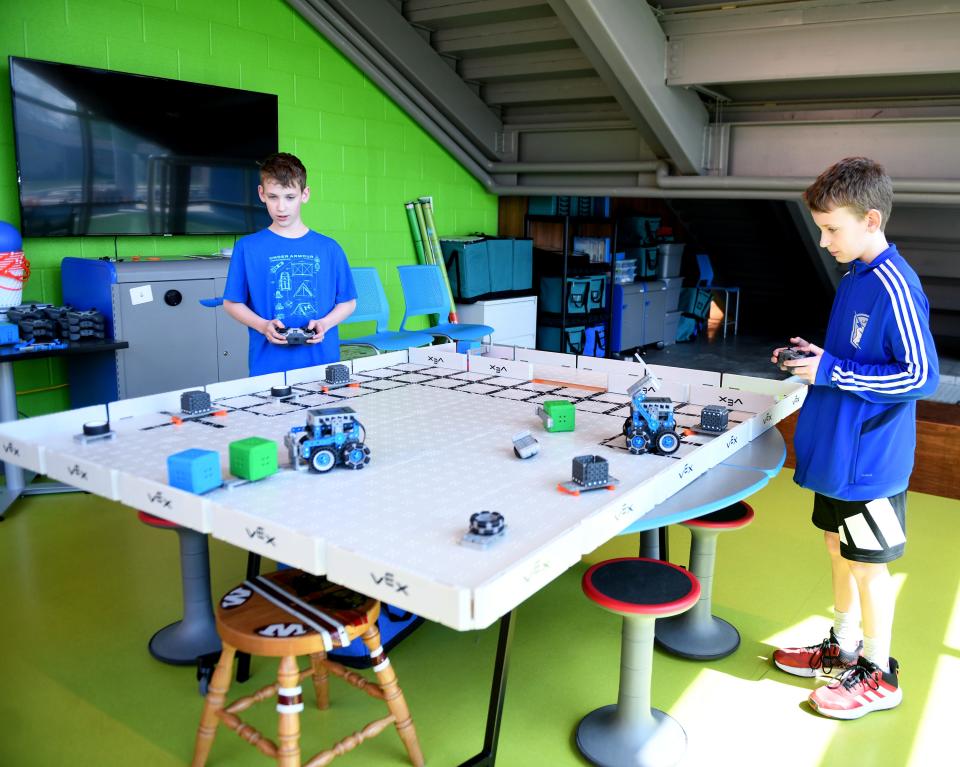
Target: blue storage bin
[
  {"x": 574, "y": 339},
  {"x": 597, "y": 298},
  {"x": 194, "y": 470},
  {"x": 576, "y": 295},
  {"x": 695, "y": 302},
  {"x": 468, "y": 266},
  {"x": 500, "y": 255},
  {"x": 595, "y": 341},
  {"x": 649, "y": 262},
  {"x": 542, "y": 206},
  {"x": 522, "y": 264}
]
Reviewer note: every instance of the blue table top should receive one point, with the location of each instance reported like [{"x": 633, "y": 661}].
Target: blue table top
[{"x": 739, "y": 477}]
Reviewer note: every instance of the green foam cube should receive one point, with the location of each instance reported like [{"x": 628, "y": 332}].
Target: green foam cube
[
  {"x": 562, "y": 412},
  {"x": 253, "y": 458}
]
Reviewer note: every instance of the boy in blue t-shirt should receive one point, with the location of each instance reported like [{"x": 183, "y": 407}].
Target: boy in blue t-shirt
[
  {"x": 288, "y": 276},
  {"x": 856, "y": 434}
]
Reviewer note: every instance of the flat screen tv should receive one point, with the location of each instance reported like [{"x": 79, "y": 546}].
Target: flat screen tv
[{"x": 112, "y": 153}]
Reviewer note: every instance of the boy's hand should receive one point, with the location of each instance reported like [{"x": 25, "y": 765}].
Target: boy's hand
[
  {"x": 806, "y": 367},
  {"x": 319, "y": 331},
  {"x": 270, "y": 329}
]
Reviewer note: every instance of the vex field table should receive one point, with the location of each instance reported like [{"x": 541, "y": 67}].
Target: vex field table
[{"x": 439, "y": 426}]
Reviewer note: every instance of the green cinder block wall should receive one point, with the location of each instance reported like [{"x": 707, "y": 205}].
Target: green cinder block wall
[{"x": 364, "y": 156}]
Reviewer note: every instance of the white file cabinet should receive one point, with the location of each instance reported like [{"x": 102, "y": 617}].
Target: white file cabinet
[{"x": 514, "y": 320}]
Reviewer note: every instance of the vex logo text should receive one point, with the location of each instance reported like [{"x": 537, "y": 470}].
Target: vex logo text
[
  {"x": 732, "y": 441},
  {"x": 159, "y": 499},
  {"x": 388, "y": 580},
  {"x": 497, "y": 368},
  {"x": 76, "y": 471},
  {"x": 435, "y": 360},
  {"x": 11, "y": 448},
  {"x": 625, "y": 510},
  {"x": 687, "y": 469},
  {"x": 261, "y": 535},
  {"x": 767, "y": 418},
  {"x": 731, "y": 401},
  {"x": 538, "y": 567}
]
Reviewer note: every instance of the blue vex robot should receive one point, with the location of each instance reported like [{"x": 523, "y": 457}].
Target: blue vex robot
[{"x": 650, "y": 427}]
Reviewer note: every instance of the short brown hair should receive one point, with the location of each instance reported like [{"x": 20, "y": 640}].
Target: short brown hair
[
  {"x": 286, "y": 169},
  {"x": 858, "y": 183}
]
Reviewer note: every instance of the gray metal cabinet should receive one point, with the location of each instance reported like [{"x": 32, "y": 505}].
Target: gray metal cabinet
[{"x": 175, "y": 341}]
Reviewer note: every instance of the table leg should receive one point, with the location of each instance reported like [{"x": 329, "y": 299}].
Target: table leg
[
  {"x": 243, "y": 659},
  {"x": 488, "y": 756},
  {"x": 8, "y": 412},
  {"x": 653, "y": 544},
  {"x": 18, "y": 480}
]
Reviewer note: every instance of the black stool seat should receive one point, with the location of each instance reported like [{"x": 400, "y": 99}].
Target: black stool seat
[
  {"x": 641, "y": 586},
  {"x": 739, "y": 514}
]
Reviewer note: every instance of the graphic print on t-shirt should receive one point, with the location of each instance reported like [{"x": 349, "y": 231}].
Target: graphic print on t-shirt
[{"x": 293, "y": 288}]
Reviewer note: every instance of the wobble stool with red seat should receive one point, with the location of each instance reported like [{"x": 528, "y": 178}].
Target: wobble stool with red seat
[
  {"x": 286, "y": 614},
  {"x": 630, "y": 732},
  {"x": 183, "y": 641},
  {"x": 699, "y": 634}
]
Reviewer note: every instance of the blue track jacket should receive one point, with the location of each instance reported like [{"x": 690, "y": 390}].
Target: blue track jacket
[{"x": 856, "y": 433}]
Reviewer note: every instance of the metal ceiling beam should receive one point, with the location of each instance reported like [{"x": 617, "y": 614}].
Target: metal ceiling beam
[
  {"x": 556, "y": 90},
  {"x": 862, "y": 42},
  {"x": 627, "y": 47},
  {"x": 413, "y": 64},
  {"x": 489, "y": 38},
  {"x": 560, "y": 61},
  {"x": 910, "y": 148},
  {"x": 435, "y": 14}
]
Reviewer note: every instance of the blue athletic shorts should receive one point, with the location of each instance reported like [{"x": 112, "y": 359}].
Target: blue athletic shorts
[{"x": 870, "y": 531}]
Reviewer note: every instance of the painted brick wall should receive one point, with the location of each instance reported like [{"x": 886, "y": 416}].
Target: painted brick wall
[{"x": 364, "y": 156}]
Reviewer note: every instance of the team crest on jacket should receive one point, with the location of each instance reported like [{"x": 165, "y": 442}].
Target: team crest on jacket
[{"x": 859, "y": 325}]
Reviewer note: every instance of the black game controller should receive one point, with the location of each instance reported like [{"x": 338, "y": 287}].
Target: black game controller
[
  {"x": 791, "y": 354},
  {"x": 296, "y": 336}
]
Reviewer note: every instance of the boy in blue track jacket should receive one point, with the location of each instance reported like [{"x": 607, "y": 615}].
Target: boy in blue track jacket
[{"x": 856, "y": 434}]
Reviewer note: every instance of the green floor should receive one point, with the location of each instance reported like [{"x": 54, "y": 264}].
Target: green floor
[{"x": 86, "y": 584}]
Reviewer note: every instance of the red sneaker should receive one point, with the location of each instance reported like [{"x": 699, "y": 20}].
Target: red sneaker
[
  {"x": 858, "y": 691},
  {"x": 817, "y": 658}
]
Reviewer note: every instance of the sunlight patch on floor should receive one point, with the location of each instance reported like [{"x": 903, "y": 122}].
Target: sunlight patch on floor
[
  {"x": 939, "y": 714},
  {"x": 718, "y": 707}
]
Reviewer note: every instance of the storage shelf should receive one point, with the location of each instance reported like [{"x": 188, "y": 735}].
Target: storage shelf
[
  {"x": 551, "y": 262},
  {"x": 555, "y": 319}
]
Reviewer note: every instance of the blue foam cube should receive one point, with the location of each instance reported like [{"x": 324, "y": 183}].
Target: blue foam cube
[
  {"x": 194, "y": 470},
  {"x": 9, "y": 333}
]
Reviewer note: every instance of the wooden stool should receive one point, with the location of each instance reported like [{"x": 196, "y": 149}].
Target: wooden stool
[
  {"x": 283, "y": 615},
  {"x": 699, "y": 634},
  {"x": 182, "y": 642},
  {"x": 631, "y": 732}
]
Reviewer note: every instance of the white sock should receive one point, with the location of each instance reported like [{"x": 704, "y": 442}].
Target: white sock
[
  {"x": 877, "y": 651},
  {"x": 846, "y": 629}
]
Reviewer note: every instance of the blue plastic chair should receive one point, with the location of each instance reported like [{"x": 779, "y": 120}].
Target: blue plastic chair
[
  {"x": 372, "y": 306},
  {"x": 706, "y": 281},
  {"x": 424, "y": 292}
]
